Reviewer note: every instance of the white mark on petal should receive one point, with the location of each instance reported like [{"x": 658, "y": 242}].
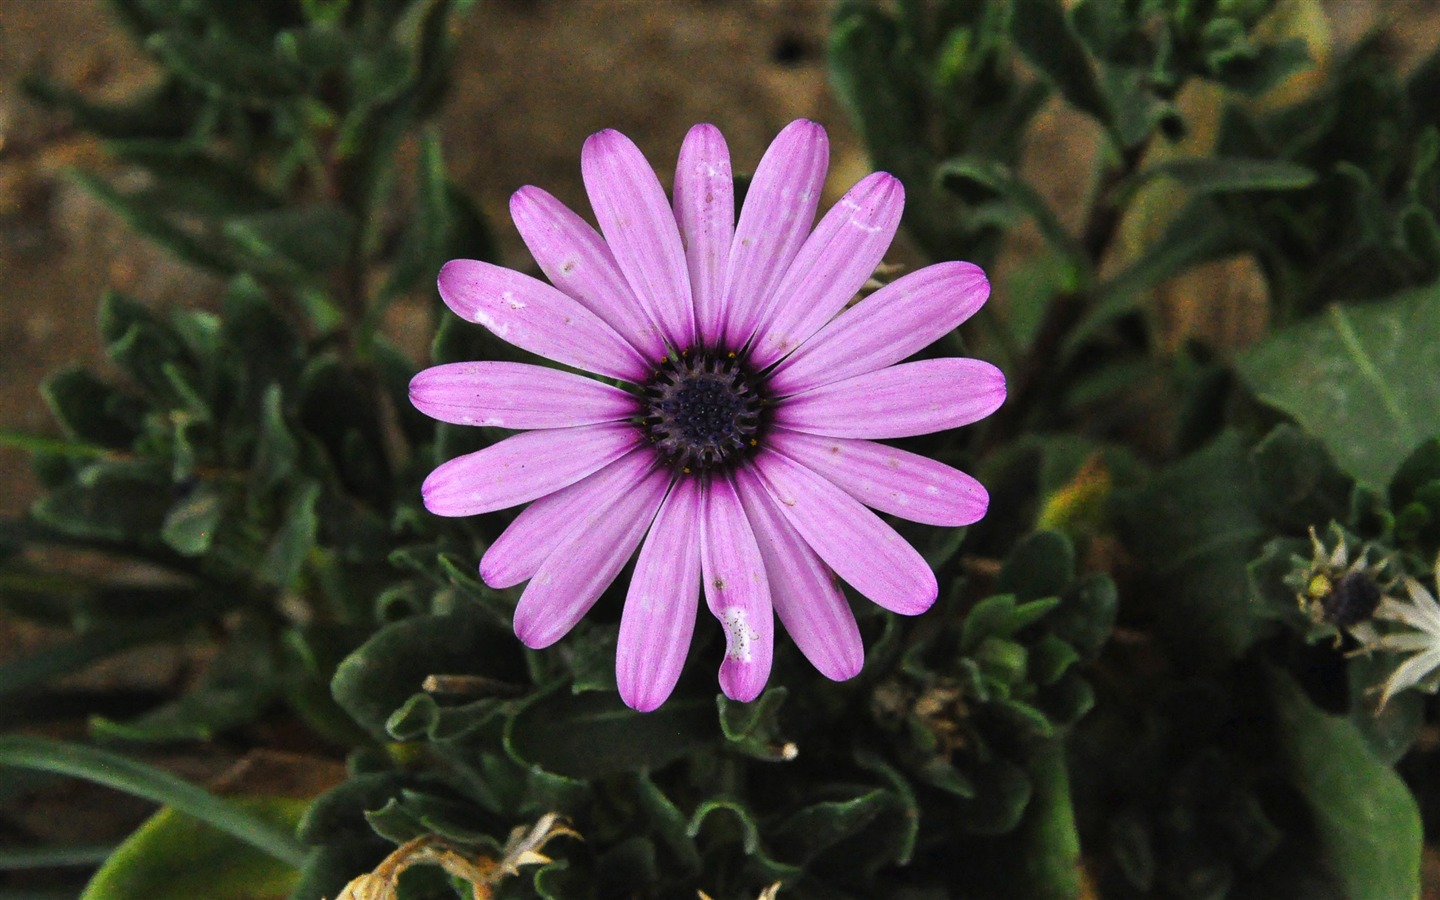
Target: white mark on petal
[
  {"x": 739, "y": 636},
  {"x": 483, "y": 318}
]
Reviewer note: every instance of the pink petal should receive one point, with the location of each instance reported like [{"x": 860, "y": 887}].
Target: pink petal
[
  {"x": 705, "y": 212},
  {"x": 534, "y": 316},
  {"x": 524, "y": 466},
  {"x": 864, "y": 551},
  {"x": 639, "y": 226},
  {"x": 737, "y": 592},
  {"x": 659, "y": 616},
  {"x": 778, "y": 211},
  {"x": 830, "y": 269},
  {"x": 889, "y": 479},
  {"x": 515, "y": 395},
  {"x": 901, "y": 318},
  {"x": 807, "y": 599},
  {"x": 528, "y": 541},
  {"x": 909, "y": 399},
  {"x": 577, "y": 261},
  {"x": 585, "y": 562}
]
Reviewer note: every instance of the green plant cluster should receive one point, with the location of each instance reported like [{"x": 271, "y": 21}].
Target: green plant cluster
[{"x": 1119, "y": 693}]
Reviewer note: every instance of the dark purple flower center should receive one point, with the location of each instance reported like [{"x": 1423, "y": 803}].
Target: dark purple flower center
[
  {"x": 703, "y": 410},
  {"x": 1354, "y": 598}
]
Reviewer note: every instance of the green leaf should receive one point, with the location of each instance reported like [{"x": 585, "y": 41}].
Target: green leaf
[
  {"x": 1051, "y": 868},
  {"x": 298, "y": 242},
  {"x": 162, "y": 111},
  {"x": 1222, "y": 174},
  {"x": 1368, "y": 824},
  {"x": 277, "y": 451},
  {"x": 133, "y": 777},
  {"x": 173, "y": 856},
  {"x": 668, "y": 822},
  {"x": 422, "y": 717},
  {"x": 1415, "y": 495},
  {"x": 593, "y": 734},
  {"x": 258, "y": 341},
  {"x": 1042, "y": 564},
  {"x": 423, "y": 248},
  {"x": 121, "y": 502},
  {"x": 1200, "y": 232},
  {"x": 1002, "y": 792},
  {"x": 1196, "y": 528},
  {"x": 1137, "y": 109},
  {"x": 993, "y": 176},
  {"x": 295, "y": 539},
  {"x": 984, "y": 619},
  {"x": 757, "y": 720},
  {"x": 1359, "y": 378},
  {"x": 139, "y": 341},
  {"x": 866, "y": 68},
  {"x": 1086, "y": 614},
  {"x": 190, "y": 525},
  {"x": 388, "y": 669},
  {"x": 153, "y": 222},
  {"x": 733, "y": 816},
  {"x": 1050, "y": 658},
  {"x": 219, "y": 62},
  {"x": 1388, "y": 732},
  {"x": 91, "y": 409},
  {"x": 817, "y": 828},
  {"x": 907, "y": 830},
  {"x": 1043, "y": 33},
  {"x": 191, "y": 180},
  {"x": 1299, "y": 484}
]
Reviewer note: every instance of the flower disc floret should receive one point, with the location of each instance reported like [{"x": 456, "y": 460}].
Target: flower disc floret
[{"x": 703, "y": 411}]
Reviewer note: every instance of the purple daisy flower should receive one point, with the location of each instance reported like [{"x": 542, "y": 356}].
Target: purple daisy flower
[{"x": 738, "y": 450}]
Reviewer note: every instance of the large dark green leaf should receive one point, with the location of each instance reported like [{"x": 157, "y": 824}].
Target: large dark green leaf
[
  {"x": 593, "y": 734},
  {"x": 177, "y": 857},
  {"x": 1359, "y": 378},
  {"x": 1195, "y": 527},
  {"x": 1367, "y": 820},
  {"x": 1299, "y": 485}
]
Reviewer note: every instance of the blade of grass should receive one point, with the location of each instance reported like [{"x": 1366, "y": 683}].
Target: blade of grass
[
  {"x": 141, "y": 780},
  {"x": 87, "y": 855}
]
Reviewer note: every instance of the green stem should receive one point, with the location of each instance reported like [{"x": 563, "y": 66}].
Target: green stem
[{"x": 1052, "y": 857}]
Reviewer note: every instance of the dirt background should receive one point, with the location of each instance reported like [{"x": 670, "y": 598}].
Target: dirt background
[{"x": 534, "y": 78}]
